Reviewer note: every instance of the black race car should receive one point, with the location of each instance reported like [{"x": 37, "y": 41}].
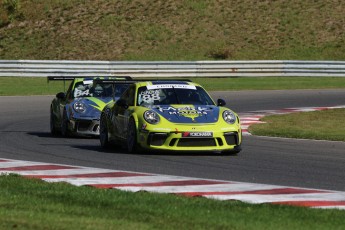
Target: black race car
[{"x": 77, "y": 111}]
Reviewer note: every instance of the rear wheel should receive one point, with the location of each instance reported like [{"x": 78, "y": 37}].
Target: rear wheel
[
  {"x": 103, "y": 133},
  {"x": 132, "y": 144}
]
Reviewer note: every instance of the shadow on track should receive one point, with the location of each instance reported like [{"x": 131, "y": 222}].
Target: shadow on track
[{"x": 122, "y": 150}]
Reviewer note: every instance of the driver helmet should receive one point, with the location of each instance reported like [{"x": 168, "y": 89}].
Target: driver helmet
[{"x": 98, "y": 91}]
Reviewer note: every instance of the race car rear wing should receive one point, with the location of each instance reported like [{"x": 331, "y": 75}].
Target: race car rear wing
[
  {"x": 130, "y": 80},
  {"x": 68, "y": 78}
]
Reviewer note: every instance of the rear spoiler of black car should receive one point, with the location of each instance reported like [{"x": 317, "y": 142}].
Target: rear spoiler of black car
[
  {"x": 113, "y": 81},
  {"x": 131, "y": 80},
  {"x": 109, "y": 78},
  {"x": 66, "y": 78}
]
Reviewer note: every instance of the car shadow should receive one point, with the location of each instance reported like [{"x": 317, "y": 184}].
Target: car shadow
[
  {"x": 117, "y": 149},
  {"x": 49, "y": 135},
  {"x": 122, "y": 150}
]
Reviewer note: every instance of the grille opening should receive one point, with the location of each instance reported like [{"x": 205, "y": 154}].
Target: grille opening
[
  {"x": 220, "y": 141},
  {"x": 194, "y": 142},
  {"x": 173, "y": 142},
  {"x": 95, "y": 128},
  {"x": 83, "y": 125},
  {"x": 231, "y": 138},
  {"x": 157, "y": 139}
]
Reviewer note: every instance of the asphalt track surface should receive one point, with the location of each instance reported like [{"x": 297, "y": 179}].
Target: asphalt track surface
[{"x": 24, "y": 135}]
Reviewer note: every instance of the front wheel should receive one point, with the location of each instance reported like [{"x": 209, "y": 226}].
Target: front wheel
[
  {"x": 64, "y": 125},
  {"x": 132, "y": 144},
  {"x": 103, "y": 133},
  {"x": 53, "y": 130}
]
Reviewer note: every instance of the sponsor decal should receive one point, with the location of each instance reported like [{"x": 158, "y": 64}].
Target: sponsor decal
[
  {"x": 197, "y": 134},
  {"x": 87, "y": 82},
  {"x": 169, "y": 86},
  {"x": 226, "y": 128},
  {"x": 184, "y": 110},
  {"x": 190, "y": 112},
  {"x": 162, "y": 129}
]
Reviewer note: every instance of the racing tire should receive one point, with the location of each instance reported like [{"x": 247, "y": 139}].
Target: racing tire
[
  {"x": 103, "y": 133},
  {"x": 53, "y": 129},
  {"x": 64, "y": 125},
  {"x": 132, "y": 143}
]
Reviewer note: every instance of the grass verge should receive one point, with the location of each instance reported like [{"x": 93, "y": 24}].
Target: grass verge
[
  {"x": 320, "y": 125},
  {"x": 20, "y": 86},
  {"x": 172, "y": 30},
  {"x": 35, "y": 204}
]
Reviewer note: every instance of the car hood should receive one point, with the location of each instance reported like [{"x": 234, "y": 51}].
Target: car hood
[
  {"x": 188, "y": 113},
  {"x": 95, "y": 102}
]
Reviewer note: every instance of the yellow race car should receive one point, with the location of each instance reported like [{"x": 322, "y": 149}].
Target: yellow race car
[{"x": 170, "y": 115}]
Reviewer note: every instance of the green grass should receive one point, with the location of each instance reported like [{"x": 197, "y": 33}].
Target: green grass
[
  {"x": 321, "y": 125},
  {"x": 172, "y": 30},
  {"x": 34, "y": 204},
  {"x": 38, "y": 86},
  {"x": 22, "y": 86}
]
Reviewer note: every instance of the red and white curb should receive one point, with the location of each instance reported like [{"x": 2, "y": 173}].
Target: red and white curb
[
  {"x": 187, "y": 186},
  {"x": 254, "y": 117}
]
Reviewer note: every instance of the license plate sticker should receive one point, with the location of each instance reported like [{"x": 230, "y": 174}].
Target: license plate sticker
[{"x": 197, "y": 134}]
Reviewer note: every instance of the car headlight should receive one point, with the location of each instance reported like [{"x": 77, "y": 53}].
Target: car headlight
[
  {"x": 151, "y": 117},
  {"x": 79, "y": 107},
  {"x": 229, "y": 117}
]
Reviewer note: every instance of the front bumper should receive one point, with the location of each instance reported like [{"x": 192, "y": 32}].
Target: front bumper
[
  {"x": 220, "y": 141},
  {"x": 86, "y": 127}
]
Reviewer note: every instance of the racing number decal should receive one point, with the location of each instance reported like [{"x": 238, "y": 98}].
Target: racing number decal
[
  {"x": 149, "y": 96},
  {"x": 79, "y": 93}
]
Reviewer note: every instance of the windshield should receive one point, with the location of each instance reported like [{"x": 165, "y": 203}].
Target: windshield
[
  {"x": 88, "y": 89},
  {"x": 164, "y": 96},
  {"x": 120, "y": 89}
]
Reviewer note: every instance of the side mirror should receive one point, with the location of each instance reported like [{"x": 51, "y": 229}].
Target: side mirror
[
  {"x": 122, "y": 103},
  {"x": 220, "y": 102},
  {"x": 61, "y": 95}
]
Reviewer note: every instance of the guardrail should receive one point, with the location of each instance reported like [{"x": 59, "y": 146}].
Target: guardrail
[{"x": 261, "y": 68}]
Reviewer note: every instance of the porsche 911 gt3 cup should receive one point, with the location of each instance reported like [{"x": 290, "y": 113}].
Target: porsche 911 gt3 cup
[
  {"x": 78, "y": 110},
  {"x": 170, "y": 115}
]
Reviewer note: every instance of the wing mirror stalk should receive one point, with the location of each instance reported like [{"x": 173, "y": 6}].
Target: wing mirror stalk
[
  {"x": 220, "y": 102},
  {"x": 61, "y": 95}
]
